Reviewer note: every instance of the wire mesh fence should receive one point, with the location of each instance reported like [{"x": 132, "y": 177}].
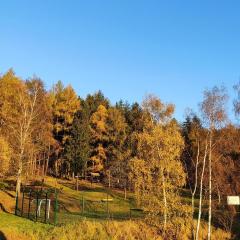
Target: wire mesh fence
[
  {"x": 106, "y": 208},
  {"x": 46, "y": 205}
]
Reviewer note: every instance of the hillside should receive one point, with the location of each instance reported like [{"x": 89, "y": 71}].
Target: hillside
[{"x": 73, "y": 224}]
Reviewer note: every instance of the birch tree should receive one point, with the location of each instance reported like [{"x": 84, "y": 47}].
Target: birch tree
[
  {"x": 201, "y": 191},
  {"x": 28, "y": 115},
  {"x": 19, "y": 113},
  {"x": 157, "y": 172},
  {"x": 236, "y": 102},
  {"x": 194, "y": 159},
  {"x": 213, "y": 108}
]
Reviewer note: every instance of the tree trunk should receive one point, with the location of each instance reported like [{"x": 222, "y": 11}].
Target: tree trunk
[
  {"x": 219, "y": 196},
  {"x": 125, "y": 191},
  {"x": 19, "y": 180},
  {"x": 109, "y": 179},
  {"x": 210, "y": 187},
  {"x": 165, "y": 202},
  {"x": 31, "y": 164},
  {"x": 195, "y": 186},
  {"x": 46, "y": 168},
  {"x": 201, "y": 189},
  {"x": 44, "y": 164},
  {"x": 19, "y": 174},
  {"x": 164, "y": 194}
]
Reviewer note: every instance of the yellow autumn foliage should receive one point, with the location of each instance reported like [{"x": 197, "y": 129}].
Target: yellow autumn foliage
[{"x": 5, "y": 156}]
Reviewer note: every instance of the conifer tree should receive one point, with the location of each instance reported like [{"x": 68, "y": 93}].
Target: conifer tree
[
  {"x": 99, "y": 139},
  {"x": 117, "y": 153},
  {"x": 65, "y": 105},
  {"x": 77, "y": 147}
]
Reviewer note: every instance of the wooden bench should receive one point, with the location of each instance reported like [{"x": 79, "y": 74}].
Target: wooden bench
[{"x": 107, "y": 200}]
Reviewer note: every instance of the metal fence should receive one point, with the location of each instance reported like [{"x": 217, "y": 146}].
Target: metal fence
[{"x": 42, "y": 205}]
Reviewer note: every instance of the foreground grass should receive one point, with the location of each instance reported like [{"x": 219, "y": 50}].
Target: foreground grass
[{"x": 16, "y": 228}]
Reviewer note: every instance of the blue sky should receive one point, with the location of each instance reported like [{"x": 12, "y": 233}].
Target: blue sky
[{"x": 126, "y": 48}]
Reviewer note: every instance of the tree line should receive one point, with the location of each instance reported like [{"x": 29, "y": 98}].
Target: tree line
[{"x": 136, "y": 147}]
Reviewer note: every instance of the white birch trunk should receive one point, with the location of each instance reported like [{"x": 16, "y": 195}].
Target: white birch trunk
[
  {"x": 195, "y": 186},
  {"x": 165, "y": 202},
  {"x": 201, "y": 190},
  {"x": 210, "y": 187}
]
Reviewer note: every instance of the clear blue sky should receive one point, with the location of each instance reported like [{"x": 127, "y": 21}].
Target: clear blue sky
[{"x": 126, "y": 48}]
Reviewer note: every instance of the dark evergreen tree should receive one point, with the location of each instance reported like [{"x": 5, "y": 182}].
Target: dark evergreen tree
[
  {"x": 92, "y": 102},
  {"x": 117, "y": 152},
  {"x": 77, "y": 147},
  {"x": 190, "y": 127}
]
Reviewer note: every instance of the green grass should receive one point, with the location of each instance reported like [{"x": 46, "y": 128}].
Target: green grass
[
  {"x": 70, "y": 202},
  {"x": 92, "y": 195},
  {"x": 70, "y": 211},
  {"x": 18, "y": 228},
  {"x": 72, "y": 221}
]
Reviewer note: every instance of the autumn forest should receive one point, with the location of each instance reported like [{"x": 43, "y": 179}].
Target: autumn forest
[{"x": 137, "y": 148}]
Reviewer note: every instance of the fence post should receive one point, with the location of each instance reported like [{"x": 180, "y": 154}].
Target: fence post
[
  {"x": 36, "y": 216},
  {"x": 22, "y": 202},
  {"x": 82, "y": 205},
  {"x": 55, "y": 207},
  {"x": 46, "y": 201},
  {"x": 107, "y": 207},
  {"x": 29, "y": 203},
  {"x": 16, "y": 204}
]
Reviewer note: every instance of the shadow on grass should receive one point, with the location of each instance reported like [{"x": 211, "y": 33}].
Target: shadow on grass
[
  {"x": 2, "y": 236},
  {"x": 7, "y": 184},
  {"x": 82, "y": 186},
  {"x": 120, "y": 216},
  {"x": 3, "y": 209}
]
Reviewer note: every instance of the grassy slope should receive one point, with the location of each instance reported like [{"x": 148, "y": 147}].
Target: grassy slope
[
  {"x": 70, "y": 200},
  {"x": 92, "y": 227}
]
